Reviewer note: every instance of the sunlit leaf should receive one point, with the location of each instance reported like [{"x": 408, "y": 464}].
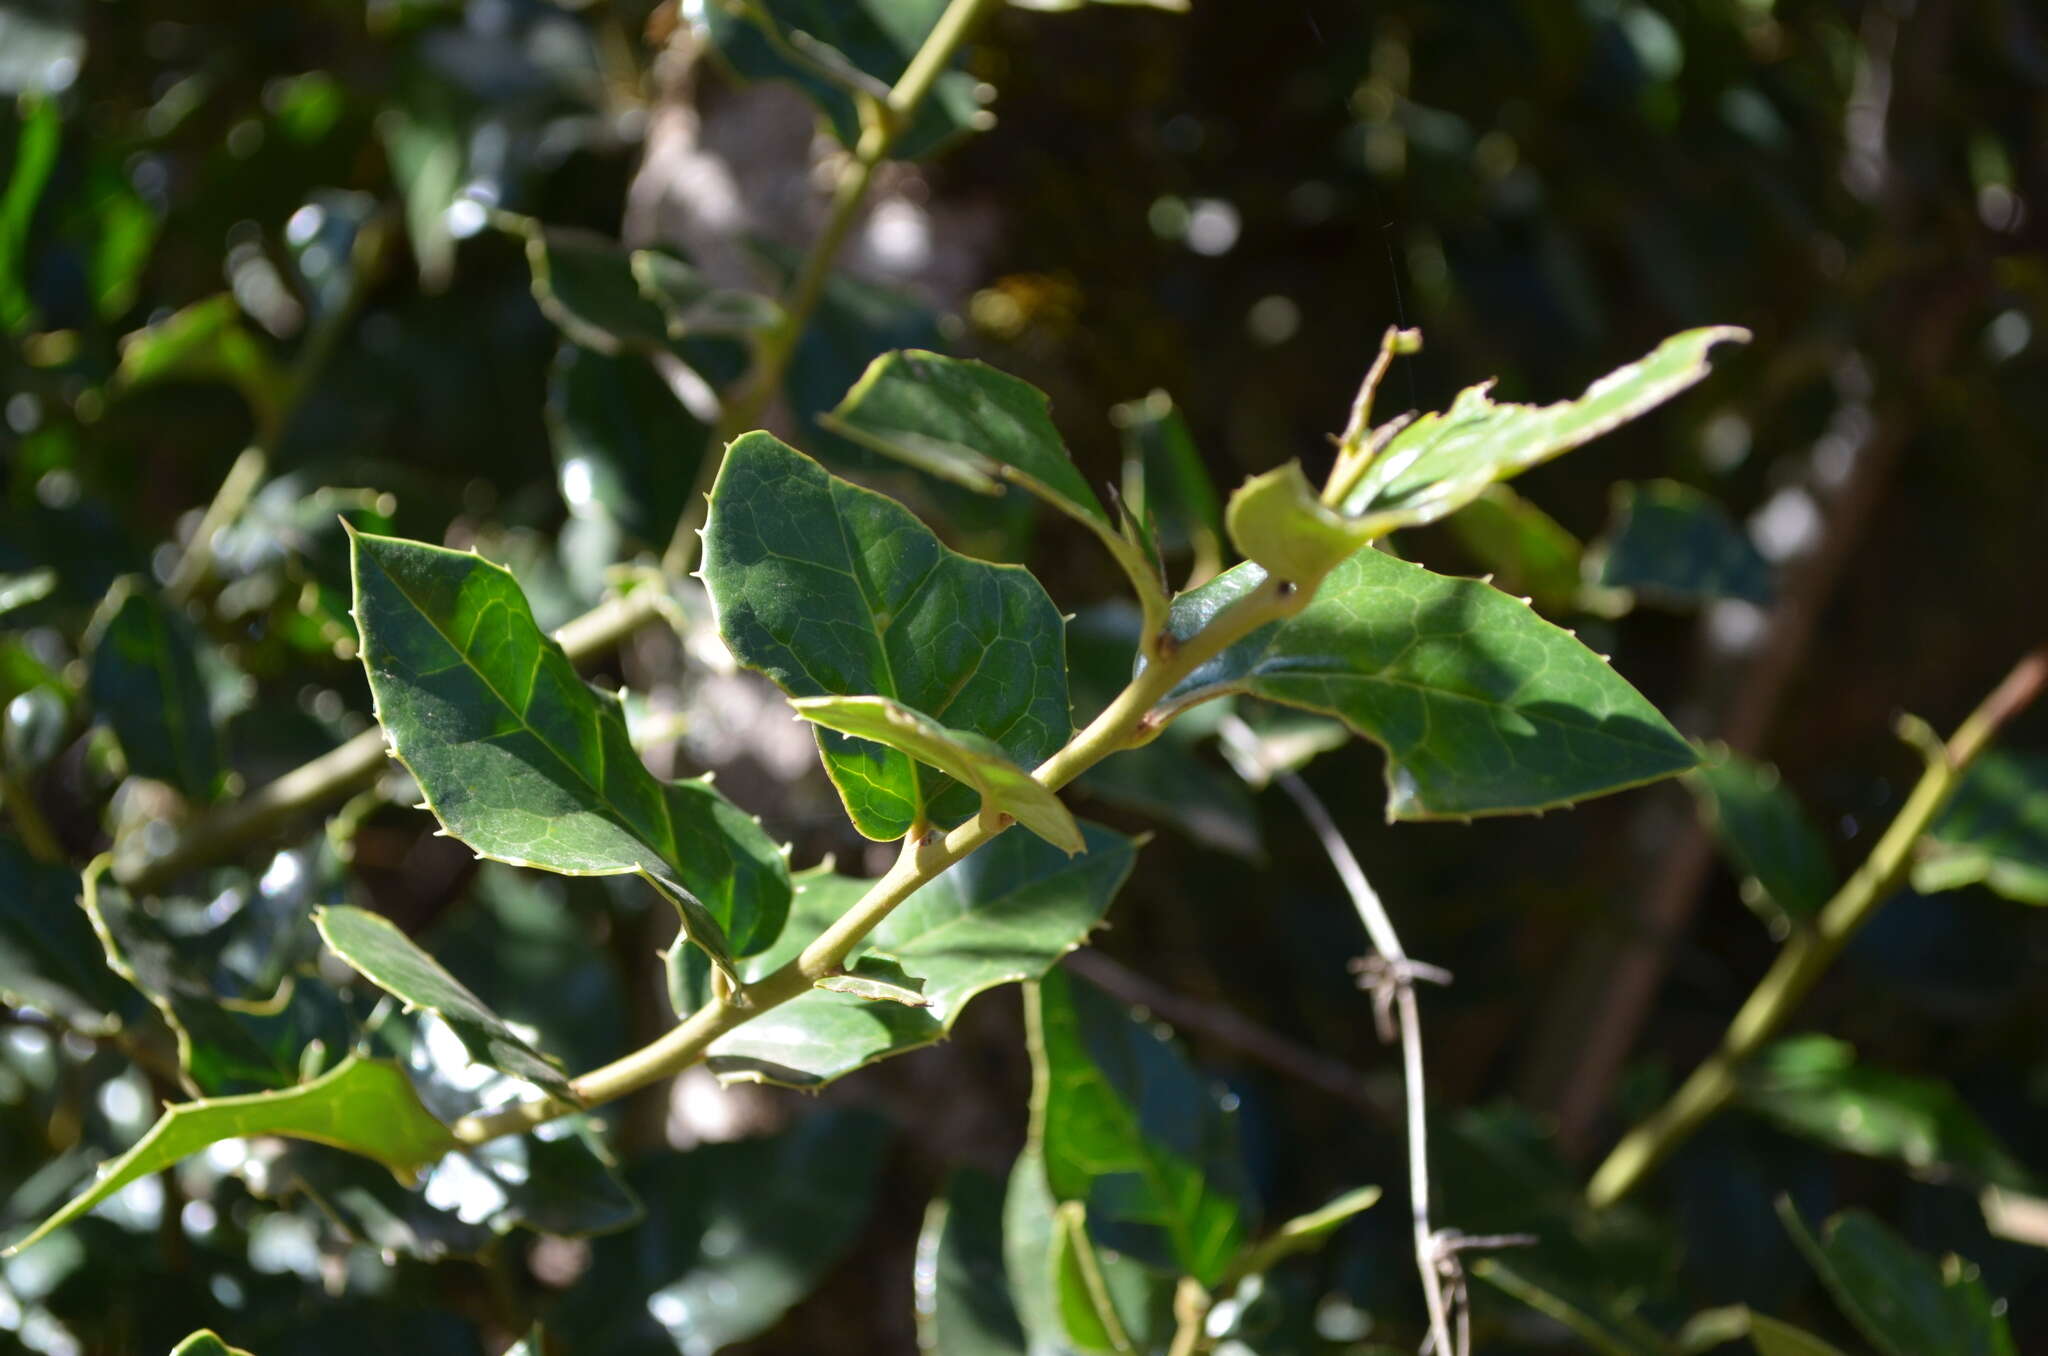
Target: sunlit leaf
[
  {"x": 1994, "y": 832},
  {"x": 1483, "y": 707},
  {"x": 1904, "y": 1303},
  {"x": 1441, "y": 462},
  {"x": 968, "y": 758},
  {"x": 1001, "y": 916},
  {"x": 360, "y": 1105},
  {"x": 1132, "y": 1132},
  {"x": 1306, "y": 1233},
  {"x": 29, "y": 586},
  {"x": 394, "y": 963},
  {"x": 962, "y": 1290},
  {"x": 145, "y": 681},
  {"x": 1765, "y": 833},
  {"x": 830, "y": 589},
  {"x": 1669, "y": 542},
  {"x": 1278, "y": 522},
  {"x": 528, "y": 764}
]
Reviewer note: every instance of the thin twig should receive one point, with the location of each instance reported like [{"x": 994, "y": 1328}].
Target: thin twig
[
  {"x": 1807, "y": 956},
  {"x": 1392, "y": 978}
]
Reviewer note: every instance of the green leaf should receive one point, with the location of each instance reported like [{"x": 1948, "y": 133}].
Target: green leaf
[
  {"x": 840, "y": 52},
  {"x": 30, "y": 42},
  {"x": 360, "y": 1105},
  {"x": 1773, "y": 1338},
  {"x": 586, "y": 285},
  {"x": 1442, "y": 462},
  {"x": 830, "y": 589},
  {"x": 1903, "y": 1303},
  {"x": 390, "y": 960},
  {"x": 1131, "y": 1131},
  {"x": 1042, "y": 1263},
  {"x": 963, "y": 1292},
  {"x": 1482, "y": 706},
  {"x": 205, "y": 341},
  {"x": 1165, "y": 484},
  {"x": 1670, "y": 542},
  {"x": 1586, "y": 1315},
  {"x": 626, "y": 450},
  {"x": 1277, "y": 521},
  {"x": 50, "y": 958},
  {"x": 692, "y": 305},
  {"x": 145, "y": 681},
  {"x": 30, "y": 586},
  {"x": 527, "y": 764},
  {"x": 207, "y": 1342},
  {"x": 535, "y": 1343},
  {"x": 1765, "y": 833},
  {"x": 1094, "y": 1294},
  {"x": 1529, "y": 552},
  {"x": 1994, "y": 832},
  {"x": 1306, "y": 1233},
  {"x": 736, "y": 1234},
  {"x": 968, "y": 758},
  {"x": 1814, "y": 1087},
  {"x": 1001, "y": 916}
]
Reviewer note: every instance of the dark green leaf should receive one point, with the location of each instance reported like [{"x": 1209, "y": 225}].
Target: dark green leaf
[
  {"x": 1528, "y": 552},
  {"x": 692, "y": 305},
  {"x": 206, "y": 341},
  {"x": 1442, "y": 462},
  {"x": 1604, "y": 1326},
  {"x": 625, "y": 447},
  {"x": 1994, "y": 832},
  {"x": 968, "y": 758},
  {"x": 736, "y": 1234},
  {"x": 1670, "y": 542},
  {"x": 1904, "y": 1304},
  {"x": 206, "y": 1342},
  {"x": 1769, "y": 1336},
  {"x": 1104, "y": 1300},
  {"x": 1165, "y": 484},
  {"x": 838, "y": 50},
  {"x": 830, "y": 589},
  {"x": 49, "y": 956},
  {"x": 1003, "y": 915},
  {"x": 1053, "y": 1304},
  {"x": 1483, "y": 707},
  {"x": 390, "y": 960},
  {"x": 30, "y": 45},
  {"x": 360, "y": 1105},
  {"x": 145, "y": 682},
  {"x": 1131, "y": 1131},
  {"x": 1765, "y": 833},
  {"x": 585, "y": 284},
  {"x": 528, "y": 764},
  {"x": 1813, "y": 1086},
  {"x": 963, "y": 1292}
]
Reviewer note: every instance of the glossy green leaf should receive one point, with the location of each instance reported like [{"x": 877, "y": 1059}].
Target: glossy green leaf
[
  {"x": 1528, "y": 552},
  {"x": 1765, "y": 833},
  {"x": 394, "y": 963},
  {"x": 1994, "y": 832},
  {"x": 1904, "y": 1303},
  {"x": 830, "y": 589},
  {"x": 736, "y": 1233},
  {"x": 961, "y": 1286},
  {"x": 206, "y": 1342},
  {"x": 206, "y": 341},
  {"x": 50, "y": 958},
  {"x": 144, "y": 680},
  {"x": 966, "y": 757},
  {"x": 1001, "y": 916},
  {"x": 1165, "y": 485},
  {"x": 1670, "y": 542},
  {"x": 1131, "y": 1131},
  {"x": 839, "y": 51},
  {"x": 880, "y": 980},
  {"x": 626, "y": 449},
  {"x": 1813, "y": 1086},
  {"x": 527, "y": 764},
  {"x": 360, "y": 1105},
  {"x": 1482, "y": 706},
  {"x": 1442, "y": 462}
]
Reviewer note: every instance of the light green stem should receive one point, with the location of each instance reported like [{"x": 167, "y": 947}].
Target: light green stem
[{"x": 1807, "y": 956}]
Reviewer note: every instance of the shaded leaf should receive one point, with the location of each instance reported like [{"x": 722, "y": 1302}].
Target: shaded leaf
[
  {"x": 1994, "y": 832},
  {"x": 1131, "y": 1131},
  {"x": 1765, "y": 833},
  {"x": 1670, "y": 542},
  {"x": 1001, "y": 916},
  {"x": 586, "y": 285},
  {"x": 692, "y": 305},
  {"x": 626, "y": 449},
  {"x": 968, "y": 758},
  {"x": 1904, "y": 1304},
  {"x": 30, "y": 45},
  {"x": 360, "y": 1105},
  {"x": 1814, "y": 1087},
  {"x": 205, "y": 341},
  {"x": 527, "y": 764},
  {"x": 962, "y": 1289},
  {"x": 1442, "y": 462},
  {"x": 1103, "y": 1300},
  {"x": 736, "y": 1233},
  {"x": 1528, "y": 552},
  {"x": 144, "y": 681},
  {"x": 50, "y": 958},
  {"x": 1165, "y": 484},
  {"x": 830, "y": 589},
  {"x": 390, "y": 960},
  {"x": 533, "y": 1344},
  {"x": 1053, "y": 1306},
  {"x": 1483, "y": 707}
]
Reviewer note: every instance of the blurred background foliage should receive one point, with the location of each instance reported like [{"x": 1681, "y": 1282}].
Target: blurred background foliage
[{"x": 299, "y": 227}]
